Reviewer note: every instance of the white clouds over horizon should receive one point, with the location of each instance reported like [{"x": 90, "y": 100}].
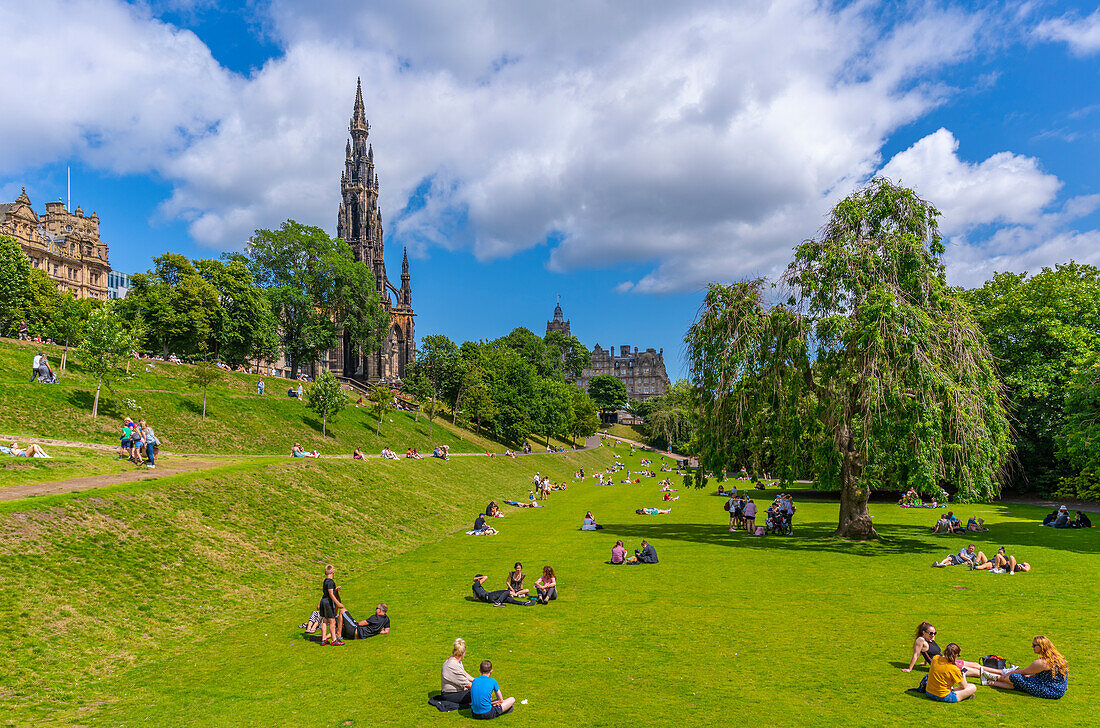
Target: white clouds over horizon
[
  {"x": 1082, "y": 35},
  {"x": 695, "y": 140}
]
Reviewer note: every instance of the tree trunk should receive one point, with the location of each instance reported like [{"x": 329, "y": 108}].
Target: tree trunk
[
  {"x": 204, "y": 403},
  {"x": 855, "y": 519},
  {"x": 65, "y": 354},
  {"x": 98, "y": 386},
  {"x": 378, "y": 427},
  {"x": 324, "y": 425}
]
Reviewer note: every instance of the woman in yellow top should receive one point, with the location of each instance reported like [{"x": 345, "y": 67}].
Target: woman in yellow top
[{"x": 945, "y": 681}]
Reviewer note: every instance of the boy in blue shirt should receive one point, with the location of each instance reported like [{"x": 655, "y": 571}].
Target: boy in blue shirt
[{"x": 484, "y": 687}]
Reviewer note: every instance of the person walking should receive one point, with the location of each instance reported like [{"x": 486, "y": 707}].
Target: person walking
[
  {"x": 23, "y": 331},
  {"x": 34, "y": 366},
  {"x": 151, "y": 444},
  {"x": 260, "y": 387}
]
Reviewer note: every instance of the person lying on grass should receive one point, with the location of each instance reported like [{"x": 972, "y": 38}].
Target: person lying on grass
[
  {"x": 514, "y": 582},
  {"x": 377, "y": 623},
  {"x": 454, "y": 681},
  {"x": 483, "y": 706},
  {"x": 1046, "y": 677},
  {"x": 330, "y": 608},
  {"x": 653, "y": 511},
  {"x": 968, "y": 556},
  {"x": 30, "y": 451},
  {"x": 924, "y": 646},
  {"x": 945, "y": 681},
  {"x": 497, "y": 598},
  {"x": 1003, "y": 563},
  {"x": 590, "y": 523},
  {"x": 547, "y": 586}
]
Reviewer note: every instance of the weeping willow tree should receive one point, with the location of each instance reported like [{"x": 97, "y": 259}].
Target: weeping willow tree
[{"x": 872, "y": 374}]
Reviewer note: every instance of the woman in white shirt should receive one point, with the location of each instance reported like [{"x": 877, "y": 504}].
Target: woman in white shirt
[{"x": 455, "y": 681}]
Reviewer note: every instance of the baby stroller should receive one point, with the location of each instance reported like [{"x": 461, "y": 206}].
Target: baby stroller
[{"x": 778, "y": 523}]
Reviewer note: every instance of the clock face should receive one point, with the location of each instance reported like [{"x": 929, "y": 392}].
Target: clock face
[{"x": 68, "y": 227}]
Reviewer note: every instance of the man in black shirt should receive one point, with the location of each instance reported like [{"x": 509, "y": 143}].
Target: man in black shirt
[
  {"x": 496, "y": 598},
  {"x": 377, "y": 623}
]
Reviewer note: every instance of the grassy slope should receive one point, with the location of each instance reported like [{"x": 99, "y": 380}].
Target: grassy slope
[
  {"x": 123, "y": 575},
  {"x": 238, "y": 421},
  {"x": 630, "y": 432},
  {"x": 66, "y": 462},
  {"x": 802, "y": 631}
]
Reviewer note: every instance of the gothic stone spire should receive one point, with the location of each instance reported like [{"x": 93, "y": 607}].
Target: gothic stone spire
[{"x": 359, "y": 115}]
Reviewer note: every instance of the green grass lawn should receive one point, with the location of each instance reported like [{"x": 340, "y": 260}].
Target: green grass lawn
[
  {"x": 175, "y": 604},
  {"x": 237, "y": 420},
  {"x": 64, "y": 463},
  {"x": 630, "y": 432}
]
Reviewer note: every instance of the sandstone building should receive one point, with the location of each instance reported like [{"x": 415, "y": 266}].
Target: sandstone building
[
  {"x": 64, "y": 244},
  {"x": 558, "y": 324},
  {"x": 643, "y": 372}
]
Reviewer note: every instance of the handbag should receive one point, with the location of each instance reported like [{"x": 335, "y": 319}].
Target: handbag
[{"x": 994, "y": 661}]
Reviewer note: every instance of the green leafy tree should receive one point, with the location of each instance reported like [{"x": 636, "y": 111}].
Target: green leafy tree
[
  {"x": 106, "y": 345},
  {"x": 326, "y": 398},
  {"x": 1078, "y": 442},
  {"x": 670, "y": 418},
  {"x": 586, "y": 419},
  {"x": 15, "y": 270},
  {"x": 566, "y": 356},
  {"x": 178, "y": 306},
  {"x": 873, "y": 347},
  {"x": 1040, "y": 329},
  {"x": 416, "y": 384},
  {"x": 67, "y": 320},
  {"x": 204, "y": 373},
  {"x": 512, "y": 381},
  {"x": 243, "y": 327},
  {"x": 316, "y": 289},
  {"x": 381, "y": 398},
  {"x": 478, "y": 399},
  {"x": 553, "y": 408},
  {"x": 607, "y": 391}
]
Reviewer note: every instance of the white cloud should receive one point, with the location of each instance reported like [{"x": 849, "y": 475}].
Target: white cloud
[
  {"x": 1081, "y": 34},
  {"x": 1005, "y": 188},
  {"x": 701, "y": 140}
]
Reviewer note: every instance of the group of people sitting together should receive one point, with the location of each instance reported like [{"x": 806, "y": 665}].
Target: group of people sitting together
[
  {"x": 459, "y": 689},
  {"x": 1061, "y": 519},
  {"x": 1001, "y": 563},
  {"x": 138, "y": 443},
  {"x": 643, "y": 555},
  {"x": 336, "y": 622},
  {"x": 912, "y": 499},
  {"x": 1046, "y": 677},
  {"x": 948, "y": 523},
  {"x": 546, "y": 588},
  {"x": 297, "y": 451},
  {"x": 481, "y": 527}
]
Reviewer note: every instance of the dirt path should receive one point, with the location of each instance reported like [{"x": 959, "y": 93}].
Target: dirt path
[
  {"x": 17, "y": 492},
  {"x": 174, "y": 467}
]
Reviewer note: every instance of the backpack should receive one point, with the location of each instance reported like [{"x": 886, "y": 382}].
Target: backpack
[{"x": 728, "y": 506}]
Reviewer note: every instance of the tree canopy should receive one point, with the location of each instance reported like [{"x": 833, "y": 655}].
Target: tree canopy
[
  {"x": 873, "y": 355},
  {"x": 607, "y": 391}
]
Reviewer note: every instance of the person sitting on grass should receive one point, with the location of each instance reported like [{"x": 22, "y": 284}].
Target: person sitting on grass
[
  {"x": 455, "y": 682},
  {"x": 968, "y": 556},
  {"x": 645, "y": 556},
  {"x": 514, "y": 582},
  {"x": 483, "y": 706},
  {"x": 547, "y": 586},
  {"x": 1050, "y": 517},
  {"x": 945, "y": 682},
  {"x": 618, "y": 552},
  {"x": 1062, "y": 521},
  {"x": 942, "y": 525},
  {"x": 481, "y": 528},
  {"x": 1046, "y": 677},
  {"x": 924, "y": 646},
  {"x": 32, "y": 450},
  {"x": 1082, "y": 520},
  {"x": 493, "y": 510},
  {"x": 497, "y": 598},
  {"x": 976, "y": 524},
  {"x": 377, "y": 623},
  {"x": 670, "y": 497},
  {"x": 590, "y": 523},
  {"x": 297, "y": 451},
  {"x": 357, "y": 455},
  {"x": 330, "y": 608}
]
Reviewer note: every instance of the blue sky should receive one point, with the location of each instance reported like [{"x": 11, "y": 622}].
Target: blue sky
[{"x": 618, "y": 159}]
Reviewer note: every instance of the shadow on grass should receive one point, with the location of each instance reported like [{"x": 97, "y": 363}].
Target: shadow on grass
[
  {"x": 807, "y": 537},
  {"x": 195, "y": 408},
  {"x": 82, "y": 400},
  {"x": 1016, "y": 537}
]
